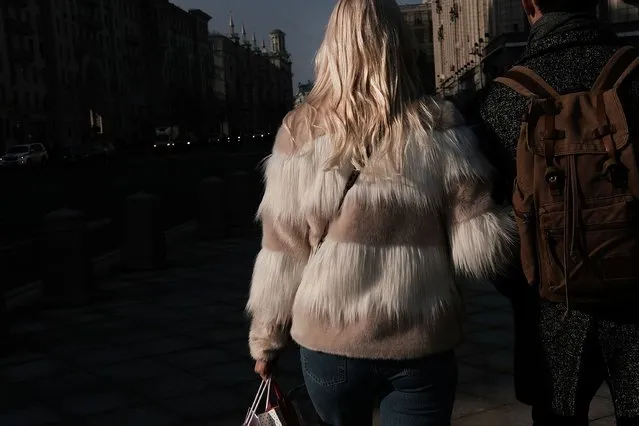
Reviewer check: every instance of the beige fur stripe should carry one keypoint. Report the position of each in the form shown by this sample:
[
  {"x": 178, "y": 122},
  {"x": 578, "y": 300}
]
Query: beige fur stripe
[
  {"x": 285, "y": 237},
  {"x": 383, "y": 224},
  {"x": 440, "y": 333}
]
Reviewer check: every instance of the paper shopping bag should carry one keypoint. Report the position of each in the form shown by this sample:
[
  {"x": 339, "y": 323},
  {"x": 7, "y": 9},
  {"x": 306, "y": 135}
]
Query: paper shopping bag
[
  {"x": 272, "y": 417},
  {"x": 277, "y": 414}
]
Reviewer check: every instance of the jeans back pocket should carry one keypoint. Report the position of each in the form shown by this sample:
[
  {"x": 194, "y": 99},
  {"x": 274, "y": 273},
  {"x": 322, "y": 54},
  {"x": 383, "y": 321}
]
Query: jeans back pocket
[{"x": 324, "y": 369}]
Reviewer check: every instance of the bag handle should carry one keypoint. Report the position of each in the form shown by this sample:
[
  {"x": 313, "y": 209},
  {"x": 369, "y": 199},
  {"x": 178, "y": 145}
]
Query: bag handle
[
  {"x": 528, "y": 83},
  {"x": 622, "y": 63},
  {"x": 279, "y": 395},
  {"x": 352, "y": 179},
  {"x": 256, "y": 401}
]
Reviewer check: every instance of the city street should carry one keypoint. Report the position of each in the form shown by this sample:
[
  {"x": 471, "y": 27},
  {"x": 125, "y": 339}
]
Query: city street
[
  {"x": 169, "y": 348},
  {"x": 99, "y": 191}
]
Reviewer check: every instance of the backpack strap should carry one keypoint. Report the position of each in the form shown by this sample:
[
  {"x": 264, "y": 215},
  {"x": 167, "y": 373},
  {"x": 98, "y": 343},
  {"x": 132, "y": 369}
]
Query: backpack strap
[
  {"x": 527, "y": 83},
  {"x": 622, "y": 63}
]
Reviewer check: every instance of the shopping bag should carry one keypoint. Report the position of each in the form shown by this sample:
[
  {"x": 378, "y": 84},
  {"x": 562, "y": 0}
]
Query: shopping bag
[{"x": 278, "y": 414}]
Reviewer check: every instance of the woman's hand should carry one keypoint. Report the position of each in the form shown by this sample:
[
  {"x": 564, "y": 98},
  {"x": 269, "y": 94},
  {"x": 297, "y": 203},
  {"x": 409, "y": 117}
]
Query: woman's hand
[{"x": 264, "y": 369}]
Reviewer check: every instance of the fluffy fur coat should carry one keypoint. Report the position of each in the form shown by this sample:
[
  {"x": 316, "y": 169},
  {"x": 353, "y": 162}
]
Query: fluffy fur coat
[{"x": 383, "y": 284}]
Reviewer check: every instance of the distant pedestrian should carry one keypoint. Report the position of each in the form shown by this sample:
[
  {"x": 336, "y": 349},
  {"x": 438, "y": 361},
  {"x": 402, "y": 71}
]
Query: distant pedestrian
[
  {"x": 377, "y": 201},
  {"x": 565, "y": 125}
]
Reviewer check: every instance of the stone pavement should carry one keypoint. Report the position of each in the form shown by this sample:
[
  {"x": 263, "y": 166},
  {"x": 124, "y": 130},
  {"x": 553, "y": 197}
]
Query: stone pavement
[{"x": 168, "y": 348}]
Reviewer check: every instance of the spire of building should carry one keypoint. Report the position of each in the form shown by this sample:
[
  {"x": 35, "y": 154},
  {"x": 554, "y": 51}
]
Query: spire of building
[
  {"x": 244, "y": 40},
  {"x": 264, "y": 47},
  {"x": 254, "y": 40},
  {"x": 231, "y": 24}
]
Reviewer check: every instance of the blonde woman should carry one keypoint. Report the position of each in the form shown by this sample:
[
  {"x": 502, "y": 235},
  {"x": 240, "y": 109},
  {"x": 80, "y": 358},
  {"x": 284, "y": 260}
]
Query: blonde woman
[{"x": 376, "y": 202}]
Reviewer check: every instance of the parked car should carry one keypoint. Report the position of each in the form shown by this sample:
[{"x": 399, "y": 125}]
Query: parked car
[
  {"x": 89, "y": 152},
  {"x": 27, "y": 155}
]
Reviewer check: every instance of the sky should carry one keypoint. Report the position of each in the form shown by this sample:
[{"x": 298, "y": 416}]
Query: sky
[{"x": 303, "y": 21}]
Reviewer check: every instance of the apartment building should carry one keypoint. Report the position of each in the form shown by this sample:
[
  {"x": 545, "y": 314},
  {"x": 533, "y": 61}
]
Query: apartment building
[
  {"x": 419, "y": 19},
  {"x": 478, "y": 40},
  {"x": 124, "y": 66},
  {"x": 254, "y": 84},
  {"x": 462, "y": 31},
  {"x": 23, "y": 90}
]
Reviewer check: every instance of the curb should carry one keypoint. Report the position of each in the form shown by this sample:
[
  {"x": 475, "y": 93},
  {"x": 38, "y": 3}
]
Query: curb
[{"x": 102, "y": 266}]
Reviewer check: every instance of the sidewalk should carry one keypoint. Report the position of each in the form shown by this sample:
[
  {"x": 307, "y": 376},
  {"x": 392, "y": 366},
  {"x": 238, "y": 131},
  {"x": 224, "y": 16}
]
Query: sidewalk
[{"x": 168, "y": 348}]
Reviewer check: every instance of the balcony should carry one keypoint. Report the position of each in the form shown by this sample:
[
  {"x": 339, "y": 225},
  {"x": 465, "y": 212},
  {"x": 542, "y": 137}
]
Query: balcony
[{"x": 17, "y": 27}]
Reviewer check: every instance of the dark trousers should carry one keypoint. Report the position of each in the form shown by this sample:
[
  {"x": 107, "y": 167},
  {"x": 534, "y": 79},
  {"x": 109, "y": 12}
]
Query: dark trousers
[
  {"x": 581, "y": 351},
  {"x": 418, "y": 392}
]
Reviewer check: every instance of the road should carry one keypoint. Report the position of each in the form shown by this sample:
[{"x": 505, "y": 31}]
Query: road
[{"x": 100, "y": 192}]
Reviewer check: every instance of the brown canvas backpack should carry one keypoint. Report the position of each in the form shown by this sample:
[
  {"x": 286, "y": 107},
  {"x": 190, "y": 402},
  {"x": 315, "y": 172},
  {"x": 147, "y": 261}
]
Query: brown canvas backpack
[{"x": 576, "y": 191}]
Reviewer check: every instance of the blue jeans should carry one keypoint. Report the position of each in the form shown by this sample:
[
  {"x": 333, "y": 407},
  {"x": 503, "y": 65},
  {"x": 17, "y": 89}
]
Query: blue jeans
[{"x": 419, "y": 392}]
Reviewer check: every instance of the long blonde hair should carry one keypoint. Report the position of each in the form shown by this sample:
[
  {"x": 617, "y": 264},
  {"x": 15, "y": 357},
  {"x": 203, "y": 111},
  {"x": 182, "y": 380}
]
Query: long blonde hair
[{"x": 367, "y": 94}]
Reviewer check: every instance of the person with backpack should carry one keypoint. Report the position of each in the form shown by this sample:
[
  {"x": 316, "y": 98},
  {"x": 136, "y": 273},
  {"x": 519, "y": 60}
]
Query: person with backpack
[{"x": 565, "y": 119}]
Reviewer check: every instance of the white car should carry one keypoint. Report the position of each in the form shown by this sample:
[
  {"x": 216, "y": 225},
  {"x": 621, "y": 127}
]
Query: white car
[{"x": 28, "y": 155}]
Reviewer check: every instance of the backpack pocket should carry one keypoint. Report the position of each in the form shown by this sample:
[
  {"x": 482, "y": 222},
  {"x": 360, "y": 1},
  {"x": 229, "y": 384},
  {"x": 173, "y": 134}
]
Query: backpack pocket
[
  {"x": 599, "y": 253},
  {"x": 525, "y": 215}
]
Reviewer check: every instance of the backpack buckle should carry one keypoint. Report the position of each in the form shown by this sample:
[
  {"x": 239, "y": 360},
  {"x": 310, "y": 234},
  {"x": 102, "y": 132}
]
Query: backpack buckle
[{"x": 553, "y": 177}]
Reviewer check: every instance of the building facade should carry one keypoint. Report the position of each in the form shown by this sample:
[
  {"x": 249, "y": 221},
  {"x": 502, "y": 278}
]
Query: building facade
[
  {"x": 124, "y": 67},
  {"x": 462, "y": 31},
  {"x": 419, "y": 19},
  {"x": 254, "y": 84},
  {"x": 478, "y": 40},
  {"x": 23, "y": 88}
]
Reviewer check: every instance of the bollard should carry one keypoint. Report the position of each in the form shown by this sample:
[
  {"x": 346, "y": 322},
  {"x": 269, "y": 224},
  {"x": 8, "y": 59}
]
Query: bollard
[
  {"x": 67, "y": 268},
  {"x": 144, "y": 240},
  {"x": 212, "y": 208}
]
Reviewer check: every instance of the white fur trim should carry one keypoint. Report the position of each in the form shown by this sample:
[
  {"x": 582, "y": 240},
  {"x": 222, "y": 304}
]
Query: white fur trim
[
  {"x": 288, "y": 178},
  {"x": 449, "y": 115},
  {"x": 276, "y": 277},
  {"x": 347, "y": 282},
  {"x": 461, "y": 159},
  {"x": 483, "y": 245}
]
